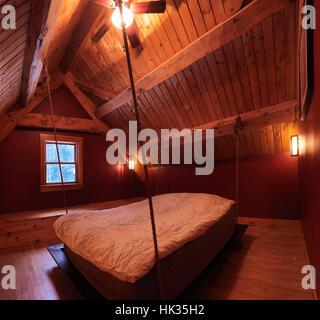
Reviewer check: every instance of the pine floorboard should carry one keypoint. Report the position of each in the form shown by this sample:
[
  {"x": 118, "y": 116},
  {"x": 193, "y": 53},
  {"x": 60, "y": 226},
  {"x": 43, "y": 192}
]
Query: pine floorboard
[{"x": 268, "y": 266}]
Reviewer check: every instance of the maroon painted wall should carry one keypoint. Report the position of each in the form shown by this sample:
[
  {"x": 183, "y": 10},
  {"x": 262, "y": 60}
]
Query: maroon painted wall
[
  {"x": 268, "y": 184},
  {"x": 310, "y": 164},
  {"x": 64, "y": 104},
  {"x": 20, "y": 167},
  {"x": 20, "y": 175}
]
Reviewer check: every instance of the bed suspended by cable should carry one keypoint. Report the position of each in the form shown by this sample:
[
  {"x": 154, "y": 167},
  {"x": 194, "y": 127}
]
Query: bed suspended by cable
[{"x": 133, "y": 266}]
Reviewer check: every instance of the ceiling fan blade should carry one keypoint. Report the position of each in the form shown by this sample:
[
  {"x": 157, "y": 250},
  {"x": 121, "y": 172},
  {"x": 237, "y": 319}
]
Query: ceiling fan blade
[
  {"x": 105, "y": 3},
  {"x": 133, "y": 36},
  {"x": 102, "y": 31},
  {"x": 149, "y": 7}
]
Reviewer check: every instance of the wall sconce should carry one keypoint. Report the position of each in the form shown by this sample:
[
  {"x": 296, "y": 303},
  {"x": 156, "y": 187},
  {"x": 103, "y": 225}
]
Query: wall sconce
[
  {"x": 294, "y": 146},
  {"x": 131, "y": 164}
]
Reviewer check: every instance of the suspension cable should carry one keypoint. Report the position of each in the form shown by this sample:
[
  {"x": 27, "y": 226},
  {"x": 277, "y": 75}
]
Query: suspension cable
[
  {"x": 158, "y": 180},
  {"x": 239, "y": 125},
  {"x": 55, "y": 137},
  {"x": 147, "y": 182},
  {"x": 298, "y": 113},
  {"x": 237, "y": 177}
]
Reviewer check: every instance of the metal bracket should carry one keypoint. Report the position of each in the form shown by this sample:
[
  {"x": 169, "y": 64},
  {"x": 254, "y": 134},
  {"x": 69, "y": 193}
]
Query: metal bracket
[{"x": 238, "y": 126}]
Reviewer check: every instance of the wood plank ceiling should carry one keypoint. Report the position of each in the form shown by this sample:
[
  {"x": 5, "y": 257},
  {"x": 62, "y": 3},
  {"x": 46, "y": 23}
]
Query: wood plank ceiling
[
  {"x": 13, "y": 45},
  {"x": 12, "y": 49},
  {"x": 253, "y": 71},
  {"x": 70, "y": 14}
]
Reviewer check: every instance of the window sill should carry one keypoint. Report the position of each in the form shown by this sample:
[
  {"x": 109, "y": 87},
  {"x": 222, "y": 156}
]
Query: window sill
[{"x": 58, "y": 187}]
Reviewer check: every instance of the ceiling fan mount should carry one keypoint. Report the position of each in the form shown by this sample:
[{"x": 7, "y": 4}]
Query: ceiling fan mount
[{"x": 146, "y": 7}]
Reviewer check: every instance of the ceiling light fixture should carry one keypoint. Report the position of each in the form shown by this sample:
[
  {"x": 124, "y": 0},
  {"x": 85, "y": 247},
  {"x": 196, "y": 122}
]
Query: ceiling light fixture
[{"x": 127, "y": 16}]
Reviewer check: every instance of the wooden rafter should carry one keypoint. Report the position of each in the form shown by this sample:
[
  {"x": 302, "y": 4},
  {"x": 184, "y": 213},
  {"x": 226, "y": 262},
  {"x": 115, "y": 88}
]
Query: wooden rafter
[
  {"x": 282, "y": 112},
  {"x": 43, "y": 121},
  {"x": 86, "y": 103},
  {"x": 44, "y": 14},
  {"x": 103, "y": 94},
  {"x": 92, "y": 15},
  {"x": 277, "y": 116},
  {"x": 223, "y": 33},
  {"x": 299, "y": 5}
]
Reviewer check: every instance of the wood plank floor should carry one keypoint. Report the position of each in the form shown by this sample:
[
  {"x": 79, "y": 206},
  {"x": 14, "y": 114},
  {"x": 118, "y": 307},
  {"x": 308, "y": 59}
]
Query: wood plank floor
[{"x": 267, "y": 267}]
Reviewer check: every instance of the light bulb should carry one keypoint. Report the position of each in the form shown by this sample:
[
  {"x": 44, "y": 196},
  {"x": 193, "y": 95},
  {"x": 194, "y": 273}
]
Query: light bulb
[
  {"x": 131, "y": 164},
  {"x": 294, "y": 146},
  {"x": 127, "y": 17}
]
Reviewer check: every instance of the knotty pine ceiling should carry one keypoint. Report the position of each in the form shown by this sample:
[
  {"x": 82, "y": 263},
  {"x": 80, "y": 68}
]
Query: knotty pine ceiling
[
  {"x": 253, "y": 71},
  {"x": 12, "y": 49}
]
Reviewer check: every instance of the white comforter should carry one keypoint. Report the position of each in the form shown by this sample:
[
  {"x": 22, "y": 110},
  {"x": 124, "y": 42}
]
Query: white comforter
[{"x": 119, "y": 240}]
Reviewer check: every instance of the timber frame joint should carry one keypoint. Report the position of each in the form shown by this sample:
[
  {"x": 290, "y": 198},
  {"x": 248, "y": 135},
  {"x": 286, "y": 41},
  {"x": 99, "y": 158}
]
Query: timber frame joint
[{"x": 239, "y": 125}]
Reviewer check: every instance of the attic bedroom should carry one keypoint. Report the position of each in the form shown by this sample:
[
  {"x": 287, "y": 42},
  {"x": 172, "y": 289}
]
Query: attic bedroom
[{"x": 159, "y": 150}]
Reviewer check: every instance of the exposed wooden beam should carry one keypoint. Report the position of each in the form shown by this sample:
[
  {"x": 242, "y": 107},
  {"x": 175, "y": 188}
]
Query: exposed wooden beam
[
  {"x": 86, "y": 103},
  {"x": 43, "y": 121},
  {"x": 282, "y": 112},
  {"x": 9, "y": 121},
  {"x": 238, "y": 24},
  {"x": 103, "y": 94},
  {"x": 43, "y": 18},
  {"x": 299, "y": 4},
  {"x": 93, "y": 14}
]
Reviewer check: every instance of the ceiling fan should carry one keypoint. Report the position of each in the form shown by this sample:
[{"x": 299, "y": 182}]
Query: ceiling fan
[{"x": 129, "y": 10}]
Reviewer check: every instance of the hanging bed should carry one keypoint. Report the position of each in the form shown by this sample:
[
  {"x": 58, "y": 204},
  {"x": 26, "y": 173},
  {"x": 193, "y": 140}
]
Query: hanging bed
[{"x": 114, "y": 250}]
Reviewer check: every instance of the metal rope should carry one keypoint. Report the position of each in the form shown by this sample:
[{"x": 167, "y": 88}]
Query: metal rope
[
  {"x": 158, "y": 180},
  {"x": 147, "y": 183},
  {"x": 239, "y": 125},
  {"x": 237, "y": 178},
  {"x": 55, "y": 137},
  {"x": 298, "y": 113},
  {"x": 299, "y": 79}
]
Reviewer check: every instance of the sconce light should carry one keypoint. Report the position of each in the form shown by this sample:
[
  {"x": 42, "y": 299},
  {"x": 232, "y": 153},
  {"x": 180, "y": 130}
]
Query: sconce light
[
  {"x": 131, "y": 164},
  {"x": 294, "y": 146}
]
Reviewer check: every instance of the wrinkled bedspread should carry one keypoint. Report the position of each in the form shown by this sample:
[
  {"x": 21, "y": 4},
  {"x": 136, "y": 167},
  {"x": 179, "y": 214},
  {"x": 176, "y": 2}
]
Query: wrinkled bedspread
[{"x": 119, "y": 240}]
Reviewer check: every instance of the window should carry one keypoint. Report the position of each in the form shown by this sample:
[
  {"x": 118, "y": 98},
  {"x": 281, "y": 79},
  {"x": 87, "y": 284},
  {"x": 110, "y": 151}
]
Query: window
[{"x": 70, "y": 152}]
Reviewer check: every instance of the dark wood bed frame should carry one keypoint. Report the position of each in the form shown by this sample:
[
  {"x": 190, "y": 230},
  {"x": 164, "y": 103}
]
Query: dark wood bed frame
[{"x": 178, "y": 269}]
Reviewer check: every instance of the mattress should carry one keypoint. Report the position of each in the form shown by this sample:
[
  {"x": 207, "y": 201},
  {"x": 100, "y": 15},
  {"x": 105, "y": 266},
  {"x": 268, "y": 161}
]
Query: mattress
[{"x": 119, "y": 241}]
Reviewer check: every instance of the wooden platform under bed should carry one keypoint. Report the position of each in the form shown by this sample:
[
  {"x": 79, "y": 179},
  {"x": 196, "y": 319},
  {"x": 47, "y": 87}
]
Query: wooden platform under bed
[
  {"x": 36, "y": 227},
  {"x": 268, "y": 266}
]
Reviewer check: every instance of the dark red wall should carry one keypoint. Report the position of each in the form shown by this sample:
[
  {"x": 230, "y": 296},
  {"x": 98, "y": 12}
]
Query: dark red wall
[
  {"x": 268, "y": 184},
  {"x": 20, "y": 175},
  {"x": 310, "y": 164},
  {"x": 20, "y": 167},
  {"x": 64, "y": 104}
]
